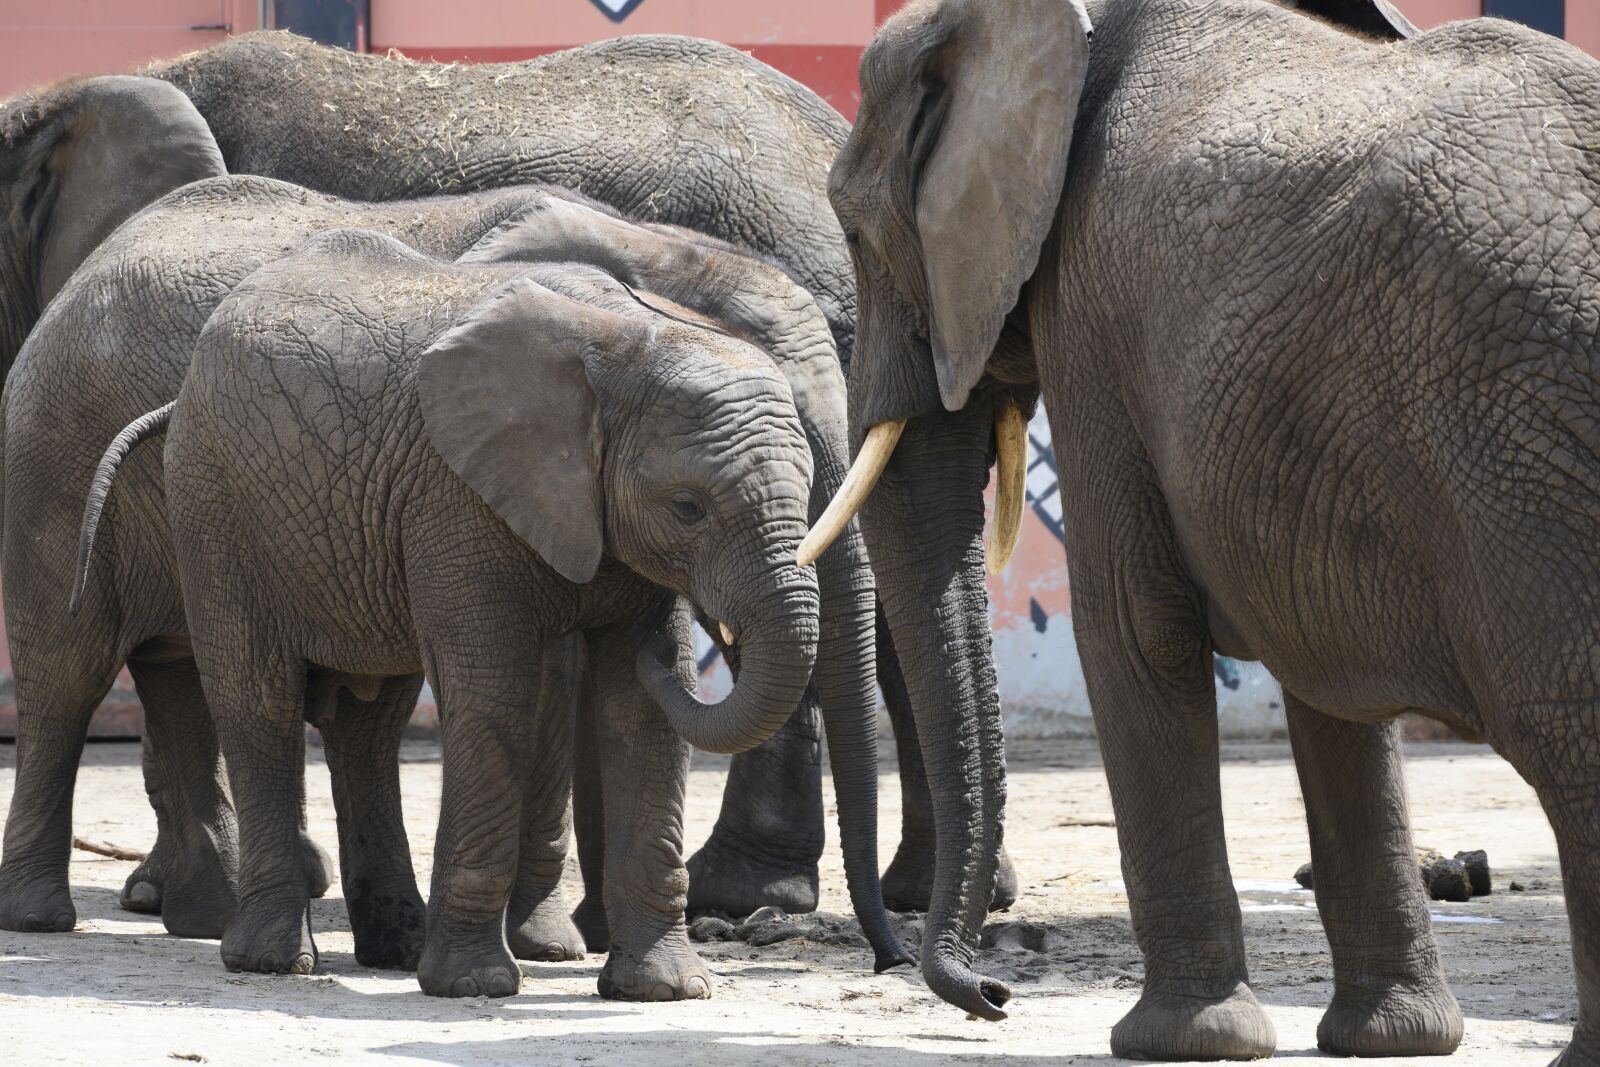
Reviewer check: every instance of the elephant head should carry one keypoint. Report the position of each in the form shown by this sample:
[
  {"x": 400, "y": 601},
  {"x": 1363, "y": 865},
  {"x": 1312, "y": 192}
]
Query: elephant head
[
  {"x": 758, "y": 303},
  {"x": 76, "y": 161},
  {"x": 595, "y": 426}
]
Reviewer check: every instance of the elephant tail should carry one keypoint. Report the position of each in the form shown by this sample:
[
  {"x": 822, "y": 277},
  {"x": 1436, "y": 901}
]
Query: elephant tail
[{"x": 145, "y": 426}]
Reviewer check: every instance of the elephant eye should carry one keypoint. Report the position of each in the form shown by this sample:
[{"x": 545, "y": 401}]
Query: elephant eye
[{"x": 689, "y": 510}]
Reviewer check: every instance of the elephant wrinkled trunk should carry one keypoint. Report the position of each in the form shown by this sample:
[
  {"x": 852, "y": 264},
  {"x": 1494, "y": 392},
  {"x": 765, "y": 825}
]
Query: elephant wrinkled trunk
[
  {"x": 931, "y": 582},
  {"x": 846, "y": 686},
  {"x": 777, "y": 652}
]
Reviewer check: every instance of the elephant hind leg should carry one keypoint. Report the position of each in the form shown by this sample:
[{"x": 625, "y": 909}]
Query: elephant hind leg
[
  {"x": 588, "y": 817},
  {"x": 362, "y": 743},
  {"x": 192, "y": 874},
  {"x": 55, "y": 701},
  {"x": 1390, "y": 996},
  {"x": 1552, "y": 746},
  {"x": 538, "y": 925}
]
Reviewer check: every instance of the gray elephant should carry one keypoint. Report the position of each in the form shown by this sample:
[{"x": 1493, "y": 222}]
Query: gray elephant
[
  {"x": 115, "y": 324},
  {"x": 74, "y": 164},
  {"x": 666, "y": 129},
  {"x": 1313, "y": 316},
  {"x": 380, "y": 461}
]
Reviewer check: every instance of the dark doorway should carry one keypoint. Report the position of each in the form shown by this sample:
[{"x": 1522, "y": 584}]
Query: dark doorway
[
  {"x": 1547, "y": 15},
  {"x": 342, "y": 23}
]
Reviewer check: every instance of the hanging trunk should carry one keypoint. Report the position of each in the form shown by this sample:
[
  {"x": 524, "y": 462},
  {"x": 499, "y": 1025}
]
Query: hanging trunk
[
  {"x": 924, "y": 529},
  {"x": 845, "y": 678}
]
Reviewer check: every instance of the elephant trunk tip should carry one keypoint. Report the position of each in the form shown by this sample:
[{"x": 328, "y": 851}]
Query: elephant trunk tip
[
  {"x": 887, "y": 957},
  {"x": 979, "y": 996}
]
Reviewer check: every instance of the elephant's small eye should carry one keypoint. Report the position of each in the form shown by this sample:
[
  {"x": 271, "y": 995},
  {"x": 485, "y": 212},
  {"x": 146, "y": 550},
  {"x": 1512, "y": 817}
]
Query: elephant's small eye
[
  {"x": 852, "y": 238},
  {"x": 689, "y": 510}
]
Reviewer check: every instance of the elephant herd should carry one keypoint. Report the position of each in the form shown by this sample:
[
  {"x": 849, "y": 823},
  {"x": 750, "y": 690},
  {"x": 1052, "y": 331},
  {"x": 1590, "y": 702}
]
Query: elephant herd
[{"x": 498, "y": 376}]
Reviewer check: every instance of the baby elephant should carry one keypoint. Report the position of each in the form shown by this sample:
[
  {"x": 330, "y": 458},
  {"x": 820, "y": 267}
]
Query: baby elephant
[{"x": 382, "y": 463}]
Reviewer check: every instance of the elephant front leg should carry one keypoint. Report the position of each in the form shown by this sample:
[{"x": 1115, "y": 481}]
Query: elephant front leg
[
  {"x": 908, "y": 882},
  {"x": 487, "y": 703},
  {"x": 1146, "y": 657},
  {"x": 538, "y": 925},
  {"x": 644, "y": 776},
  {"x": 768, "y": 838},
  {"x": 191, "y": 876},
  {"x": 1390, "y": 996},
  {"x": 362, "y": 744}
]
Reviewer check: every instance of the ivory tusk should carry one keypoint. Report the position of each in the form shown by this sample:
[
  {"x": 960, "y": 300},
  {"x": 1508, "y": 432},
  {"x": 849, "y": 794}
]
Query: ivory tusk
[
  {"x": 1010, "y": 492},
  {"x": 864, "y": 473},
  {"x": 727, "y": 634}
]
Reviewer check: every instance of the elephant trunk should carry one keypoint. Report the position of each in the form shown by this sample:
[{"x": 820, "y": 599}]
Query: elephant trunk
[
  {"x": 931, "y": 583},
  {"x": 845, "y": 682},
  {"x": 778, "y": 648}
]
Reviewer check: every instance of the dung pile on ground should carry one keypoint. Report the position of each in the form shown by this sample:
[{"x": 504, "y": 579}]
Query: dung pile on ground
[{"x": 1454, "y": 878}]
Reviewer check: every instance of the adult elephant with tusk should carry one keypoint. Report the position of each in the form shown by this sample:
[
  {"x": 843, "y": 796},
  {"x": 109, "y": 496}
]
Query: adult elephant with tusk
[{"x": 1310, "y": 298}]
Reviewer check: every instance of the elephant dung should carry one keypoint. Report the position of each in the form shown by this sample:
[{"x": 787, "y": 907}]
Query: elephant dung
[
  {"x": 1446, "y": 879},
  {"x": 711, "y": 928},
  {"x": 1303, "y": 876},
  {"x": 1477, "y": 865}
]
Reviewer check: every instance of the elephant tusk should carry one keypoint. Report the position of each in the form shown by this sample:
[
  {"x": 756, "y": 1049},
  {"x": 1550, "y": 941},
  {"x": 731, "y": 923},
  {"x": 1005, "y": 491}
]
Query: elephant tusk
[
  {"x": 1010, "y": 493},
  {"x": 727, "y": 634},
  {"x": 864, "y": 473}
]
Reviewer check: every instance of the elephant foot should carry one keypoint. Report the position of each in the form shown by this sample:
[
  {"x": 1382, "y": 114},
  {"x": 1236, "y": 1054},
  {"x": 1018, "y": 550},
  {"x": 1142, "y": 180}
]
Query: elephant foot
[
  {"x": 270, "y": 938},
  {"x": 908, "y": 882},
  {"x": 668, "y": 970},
  {"x": 547, "y": 935},
  {"x": 480, "y": 971},
  {"x": 1582, "y": 1052},
  {"x": 590, "y": 919},
  {"x": 737, "y": 881},
  {"x": 36, "y": 905},
  {"x": 198, "y": 903},
  {"x": 1170, "y": 1027},
  {"x": 319, "y": 866},
  {"x": 1399, "y": 1021},
  {"x": 142, "y": 891},
  {"x": 389, "y": 925}
]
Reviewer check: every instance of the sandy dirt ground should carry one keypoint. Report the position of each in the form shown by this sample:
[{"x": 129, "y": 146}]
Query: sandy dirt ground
[{"x": 119, "y": 990}]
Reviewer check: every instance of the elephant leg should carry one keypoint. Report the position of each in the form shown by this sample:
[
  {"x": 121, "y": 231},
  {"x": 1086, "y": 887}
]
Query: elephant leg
[
  {"x": 1146, "y": 652},
  {"x": 1390, "y": 996},
  {"x": 908, "y": 882},
  {"x": 1552, "y": 746},
  {"x": 54, "y": 705},
  {"x": 644, "y": 777},
  {"x": 588, "y": 817},
  {"x": 192, "y": 874},
  {"x": 361, "y": 741},
  {"x": 258, "y": 699},
  {"x": 768, "y": 837},
  {"x": 487, "y": 704},
  {"x": 538, "y": 926}
]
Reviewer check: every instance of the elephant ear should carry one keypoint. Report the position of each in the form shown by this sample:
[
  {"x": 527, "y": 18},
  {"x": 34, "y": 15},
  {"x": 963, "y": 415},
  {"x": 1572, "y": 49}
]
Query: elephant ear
[
  {"x": 108, "y": 147},
  {"x": 1000, "y": 100},
  {"x": 1376, "y": 18},
  {"x": 506, "y": 401}
]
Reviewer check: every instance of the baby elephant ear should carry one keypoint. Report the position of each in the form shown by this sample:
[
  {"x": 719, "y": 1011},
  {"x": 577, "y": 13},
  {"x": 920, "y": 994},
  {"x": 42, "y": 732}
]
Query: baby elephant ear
[{"x": 506, "y": 402}]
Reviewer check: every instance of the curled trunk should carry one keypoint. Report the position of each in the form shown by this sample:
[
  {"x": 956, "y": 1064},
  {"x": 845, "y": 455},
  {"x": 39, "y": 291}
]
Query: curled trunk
[{"x": 778, "y": 650}]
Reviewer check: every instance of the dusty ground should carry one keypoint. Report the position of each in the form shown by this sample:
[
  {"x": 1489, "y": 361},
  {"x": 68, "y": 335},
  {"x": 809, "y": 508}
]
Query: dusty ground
[{"x": 119, "y": 990}]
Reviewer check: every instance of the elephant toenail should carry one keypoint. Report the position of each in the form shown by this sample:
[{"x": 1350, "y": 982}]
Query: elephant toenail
[
  {"x": 697, "y": 988},
  {"x": 303, "y": 964},
  {"x": 144, "y": 895},
  {"x": 63, "y": 923},
  {"x": 554, "y": 951},
  {"x": 501, "y": 985},
  {"x": 30, "y": 921},
  {"x": 464, "y": 987},
  {"x": 661, "y": 992},
  {"x": 268, "y": 962}
]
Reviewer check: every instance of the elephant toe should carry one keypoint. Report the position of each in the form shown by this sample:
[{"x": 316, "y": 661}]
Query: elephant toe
[{"x": 666, "y": 971}]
